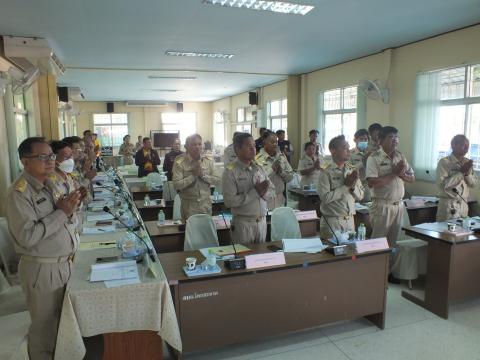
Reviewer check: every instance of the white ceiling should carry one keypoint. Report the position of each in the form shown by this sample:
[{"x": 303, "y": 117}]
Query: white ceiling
[{"x": 110, "y": 47}]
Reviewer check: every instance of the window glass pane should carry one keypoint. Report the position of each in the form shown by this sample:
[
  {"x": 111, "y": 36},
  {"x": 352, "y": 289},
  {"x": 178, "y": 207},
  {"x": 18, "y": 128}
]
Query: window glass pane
[
  {"x": 119, "y": 118},
  {"x": 101, "y": 119},
  {"x": 331, "y": 100},
  {"x": 275, "y": 108},
  {"x": 240, "y": 115},
  {"x": 276, "y": 124},
  {"x": 249, "y": 116},
  {"x": 21, "y": 127},
  {"x": 284, "y": 107},
  {"x": 350, "y": 97},
  {"x": 475, "y": 81},
  {"x": 333, "y": 127},
  {"x": 104, "y": 134},
  {"x": 349, "y": 127},
  {"x": 19, "y": 101},
  {"x": 284, "y": 126},
  {"x": 185, "y": 123},
  {"x": 452, "y": 83},
  {"x": 473, "y": 135},
  {"x": 451, "y": 123},
  {"x": 244, "y": 128}
]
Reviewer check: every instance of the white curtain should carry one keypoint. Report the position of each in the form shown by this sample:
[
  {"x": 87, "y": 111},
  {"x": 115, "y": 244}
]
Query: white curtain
[{"x": 426, "y": 125}]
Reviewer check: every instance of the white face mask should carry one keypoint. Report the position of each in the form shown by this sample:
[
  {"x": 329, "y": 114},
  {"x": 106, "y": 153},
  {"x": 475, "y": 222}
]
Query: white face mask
[{"x": 67, "y": 166}]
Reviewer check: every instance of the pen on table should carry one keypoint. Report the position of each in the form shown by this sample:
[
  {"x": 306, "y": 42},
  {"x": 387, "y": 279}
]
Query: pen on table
[{"x": 107, "y": 243}]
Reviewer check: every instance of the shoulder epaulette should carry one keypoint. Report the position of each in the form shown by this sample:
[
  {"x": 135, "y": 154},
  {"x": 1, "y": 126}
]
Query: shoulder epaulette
[
  {"x": 180, "y": 159},
  {"x": 325, "y": 165},
  {"x": 231, "y": 166},
  {"x": 21, "y": 185},
  {"x": 258, "y": 156},
  {"x": 53, "y": 177},
  {"x": 349, "y": 165}
]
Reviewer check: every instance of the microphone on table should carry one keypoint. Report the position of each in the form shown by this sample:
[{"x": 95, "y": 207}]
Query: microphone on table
[
  {"x": 460, "y": 196},
  {"x": 133, "y": 231},
  {"x": 236, "y": 263},
  {"x": 336, "y": 249}
]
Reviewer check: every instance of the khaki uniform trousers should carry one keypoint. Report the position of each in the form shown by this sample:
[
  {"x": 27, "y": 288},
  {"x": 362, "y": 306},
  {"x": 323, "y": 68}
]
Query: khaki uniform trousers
[
  {"x": 386, "y": 218},
  {"x": 191, "y": 207},
  {"x": 277, "y": 201},
  {"x": 44, "y": 287},
  {"x": 445, "y": 206},
  {"x": 248, "y": 230},
  {"x": 338, "y": 224}
]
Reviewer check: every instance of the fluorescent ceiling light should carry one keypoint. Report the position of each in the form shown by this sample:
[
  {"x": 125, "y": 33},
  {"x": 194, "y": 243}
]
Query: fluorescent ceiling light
[
  {"x": 283, "y": 7},
  {"x": 154, "y": 77},
  {"x": 198, "y": 54}
]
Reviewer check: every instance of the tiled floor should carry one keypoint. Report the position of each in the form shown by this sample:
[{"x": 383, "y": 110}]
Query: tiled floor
[{"x": 410, "y": 333}]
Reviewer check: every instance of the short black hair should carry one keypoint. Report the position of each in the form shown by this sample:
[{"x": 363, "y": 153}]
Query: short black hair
[
  {"x": 239, "y": 140},
  {"x": 458, "y": 138},
  {"x": 307, "y": 144},
  {"x": 236, "y": 133},
  {"x": 145, "y": 139},
  {"x": 70, "y": 140},
  {"x": 335, "y": 142},
  {"x": 278, "y": 132},
  {"x": 360, "y": 132},
  {"x": 374, "y": 127},
  {"x": 267, "y": 134},
  {"x": 125, "y": 137},
  {"x": 262, "y": 129},
  {"x": 387, "y": 130},
  {"x": 58, "y": 145},
  {"x": 25, "y": 148},
  {"x": 86, "y": 131},
  {"x": 313, "y": 131}
]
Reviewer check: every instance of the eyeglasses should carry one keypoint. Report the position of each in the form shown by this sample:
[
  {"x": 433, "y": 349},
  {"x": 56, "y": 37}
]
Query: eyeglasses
[{"x": 43, "y": 157}]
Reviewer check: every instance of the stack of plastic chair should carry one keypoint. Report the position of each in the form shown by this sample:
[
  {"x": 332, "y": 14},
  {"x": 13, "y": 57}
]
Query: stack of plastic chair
[
  {"x": 154, "y": 179},
  {"x": 200, "y": 232},
  {"x": 411, "y": 255},
  {"x": 284, "y": 224},
  {"x": 292, "y": 202},
  {"x": 177, "y": 204}
]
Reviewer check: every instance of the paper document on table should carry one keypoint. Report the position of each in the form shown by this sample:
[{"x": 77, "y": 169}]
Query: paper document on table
[
  {"x": 94, "y": 245},
  {"x": 99, "y": 217},
  {"x": 433, "y": 199},
  {"x": 359, "y": 206},
  {"x": 442, "y": 227},
  {"x": 311, "y": 245},
  {"x": 119, "y": 270},
  {"x": 98, "y": 230},
  {"x": 100, "y": 177},
  {"x": 116, "y": 283}
]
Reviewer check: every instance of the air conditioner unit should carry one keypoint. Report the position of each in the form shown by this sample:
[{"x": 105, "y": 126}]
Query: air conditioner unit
[
  {"x": 146, "y": 103},
  {"x": 75, "y": 93},
  {"x": 27, "y": 53}
]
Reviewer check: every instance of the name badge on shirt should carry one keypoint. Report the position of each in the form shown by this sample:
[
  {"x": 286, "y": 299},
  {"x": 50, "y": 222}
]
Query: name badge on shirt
[
  {"x": 39, "y": 201},
  {"x": 384, "y": 164}
]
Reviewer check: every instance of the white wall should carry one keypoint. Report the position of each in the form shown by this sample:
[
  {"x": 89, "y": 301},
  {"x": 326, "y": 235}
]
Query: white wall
[{"x": 5, "y": 176}]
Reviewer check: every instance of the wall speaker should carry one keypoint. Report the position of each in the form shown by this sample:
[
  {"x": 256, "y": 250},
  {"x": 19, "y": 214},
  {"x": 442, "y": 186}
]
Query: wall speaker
[
  {"x": 62, "y": 93},
  {"x": 110, "y": 107},
  {"x": 179, "y": 107},
  {"x": 253, "y": 98}
]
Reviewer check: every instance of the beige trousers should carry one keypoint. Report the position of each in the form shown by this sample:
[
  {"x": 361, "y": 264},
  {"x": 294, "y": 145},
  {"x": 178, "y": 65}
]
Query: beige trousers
[
  {"x": 192, "y": 207},
  {"x": 447, "y": 206},
  {"x": 44, "y": 288},
  {"x": 386, "y": 219},
  {"x": 338, "y": 224},
  {"x": 277, "y": 201},
  {"x": 248, "y": 231}
]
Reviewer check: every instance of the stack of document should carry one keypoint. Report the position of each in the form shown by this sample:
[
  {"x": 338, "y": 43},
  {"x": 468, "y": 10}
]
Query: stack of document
[
  {"x": 312, "y": 245},
  {"x": 97, "y": 230},
  {"x": 432, "y": 199},
  {"x": 99, "y": 216},
  {"x": 115, "y": 273}
]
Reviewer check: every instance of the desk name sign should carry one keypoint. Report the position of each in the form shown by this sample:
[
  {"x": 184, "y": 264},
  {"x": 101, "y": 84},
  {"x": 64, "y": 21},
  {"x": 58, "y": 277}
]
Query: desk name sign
[
  {"x": 371, "y": 245},
  {"x": 264, "y": 260}
]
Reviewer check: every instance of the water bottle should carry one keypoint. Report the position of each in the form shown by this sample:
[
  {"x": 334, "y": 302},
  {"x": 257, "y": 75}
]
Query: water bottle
[
  {"x": 161, "y": 218},
  {"x": 362, "y": 232},
  {"x": 146, "y": 200},
  {"x": 215, "y": 195}
]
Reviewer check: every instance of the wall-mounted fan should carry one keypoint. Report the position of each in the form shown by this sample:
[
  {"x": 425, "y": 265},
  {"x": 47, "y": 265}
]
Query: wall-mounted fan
[
  {"x": 20, "y": 85},
  {"x": 373, "y": 90}
]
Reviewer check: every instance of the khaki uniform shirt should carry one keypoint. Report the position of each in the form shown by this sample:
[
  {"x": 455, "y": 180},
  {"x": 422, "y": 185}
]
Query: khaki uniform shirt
[
  {"x": 192, "y": 187},
  {"x": 372, "y": 147},
  {"x": 359, "y": 160},
  {"x": 306, "y": 163},
  {"x": 239, "y": 191},
  {"x": 380, "y": 164},
  {"x": 63, "y": 187},
  {"x": 229, "y": 155},
  {"x": 336, "y": 199},
  {"x": 37, "y": 226},
  {"x": 449, "y": 177},
  {"x": 278, "y": 179}
]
